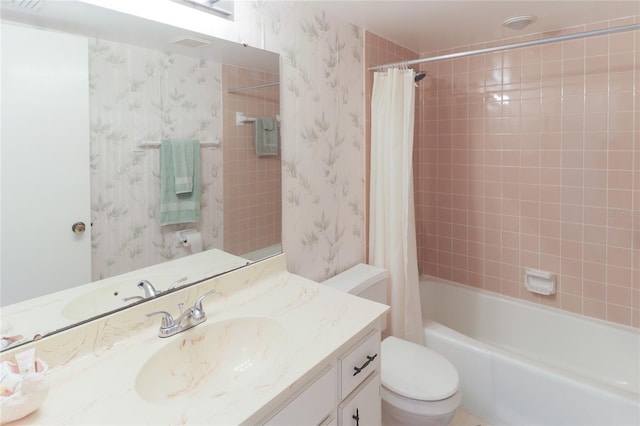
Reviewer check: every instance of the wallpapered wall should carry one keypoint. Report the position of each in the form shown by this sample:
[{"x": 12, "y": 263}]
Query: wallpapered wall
[
  {"x": 322, "y": 105},
  {"x": 138, "y": 94}
]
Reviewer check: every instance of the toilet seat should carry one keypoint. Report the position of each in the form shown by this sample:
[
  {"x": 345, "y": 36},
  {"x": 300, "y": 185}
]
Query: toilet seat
[
  {"x": 422, "y": 408},
  {"x": 416, "y": 372}
]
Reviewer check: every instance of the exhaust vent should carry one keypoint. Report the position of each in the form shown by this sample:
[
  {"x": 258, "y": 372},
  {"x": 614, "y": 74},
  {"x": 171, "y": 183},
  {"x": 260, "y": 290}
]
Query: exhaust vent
[
  {"x": 28, "y": 4},
  {"x": 192, "y": 42}
]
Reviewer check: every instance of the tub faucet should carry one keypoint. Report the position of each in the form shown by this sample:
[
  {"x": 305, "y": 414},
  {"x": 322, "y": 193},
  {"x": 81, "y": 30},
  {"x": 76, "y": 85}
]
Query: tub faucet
[{"x": 186, "y": 320}]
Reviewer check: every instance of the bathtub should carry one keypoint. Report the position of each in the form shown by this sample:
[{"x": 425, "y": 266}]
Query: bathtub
[{"x": 525, "y": 364}]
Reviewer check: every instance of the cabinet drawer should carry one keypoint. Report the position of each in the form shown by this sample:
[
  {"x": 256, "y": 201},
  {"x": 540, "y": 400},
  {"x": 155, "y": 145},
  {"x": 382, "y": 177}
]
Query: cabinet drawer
[
  {"x": 313, "y": 405},
  {"x": 356, "y": 365},
  {"x": 363, "y": 407}
]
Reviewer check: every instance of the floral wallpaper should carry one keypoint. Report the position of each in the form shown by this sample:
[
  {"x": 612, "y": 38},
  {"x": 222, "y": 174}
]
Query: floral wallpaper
[
  {"x": 141, "y": 95},
  {"x": 322, "y": 108}
]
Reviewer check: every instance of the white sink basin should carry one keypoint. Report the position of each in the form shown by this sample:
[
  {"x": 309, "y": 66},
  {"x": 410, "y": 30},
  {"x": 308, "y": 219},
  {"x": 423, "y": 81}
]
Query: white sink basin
[{"x": 214, "y": 357}]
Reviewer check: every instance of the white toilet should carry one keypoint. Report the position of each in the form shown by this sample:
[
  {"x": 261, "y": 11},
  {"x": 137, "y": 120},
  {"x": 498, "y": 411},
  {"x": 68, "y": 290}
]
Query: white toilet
[{"x": 419, "y": 386}]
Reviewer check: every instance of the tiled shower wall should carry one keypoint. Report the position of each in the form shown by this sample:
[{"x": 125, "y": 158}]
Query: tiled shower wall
[
  {"x": 252, "y": 184},
  {"x": 531, "y": 158}
]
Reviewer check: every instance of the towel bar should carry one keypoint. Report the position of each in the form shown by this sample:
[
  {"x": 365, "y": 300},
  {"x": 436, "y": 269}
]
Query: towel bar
[
  {"x": 241, "y": 119},
  {"x": 142, "y": 145}
]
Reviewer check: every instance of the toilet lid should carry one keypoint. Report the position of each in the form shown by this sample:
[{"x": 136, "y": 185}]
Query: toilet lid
[{"x": 416, "y": 372}]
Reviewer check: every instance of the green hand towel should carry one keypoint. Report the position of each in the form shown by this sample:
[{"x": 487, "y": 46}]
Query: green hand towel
[
  {"x": 179, "y": 181},
  {"x": 184, "y": 154}
]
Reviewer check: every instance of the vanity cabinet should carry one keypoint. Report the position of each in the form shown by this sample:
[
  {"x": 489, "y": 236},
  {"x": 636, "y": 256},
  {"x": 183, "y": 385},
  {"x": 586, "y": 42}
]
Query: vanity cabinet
[
  {"x": 345, "y": 393},
  {"x": 359, "y": 370},
  {"x": 363, "y": 406},
  {"x": 314, "y": 405}
]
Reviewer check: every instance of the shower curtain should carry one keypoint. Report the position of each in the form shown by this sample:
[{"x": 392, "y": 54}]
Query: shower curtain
[{"x": 392, "y": 230}]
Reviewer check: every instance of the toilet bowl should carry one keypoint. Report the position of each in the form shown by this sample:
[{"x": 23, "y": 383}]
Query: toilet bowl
[{"x": 419, "y": 386}]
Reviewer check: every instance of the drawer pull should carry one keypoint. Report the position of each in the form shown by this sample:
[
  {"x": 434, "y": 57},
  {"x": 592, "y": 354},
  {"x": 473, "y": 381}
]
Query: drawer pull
[
  {"x": 369, "y": 359},
  {"x": 356, "y": 416}
]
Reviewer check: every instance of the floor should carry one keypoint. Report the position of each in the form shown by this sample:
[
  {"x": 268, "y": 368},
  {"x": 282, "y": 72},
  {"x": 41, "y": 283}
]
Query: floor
[{"x": 462, "y": 418}]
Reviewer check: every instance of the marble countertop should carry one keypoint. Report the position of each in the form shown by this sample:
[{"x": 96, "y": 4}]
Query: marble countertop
[{"x": 94, "y": 367}]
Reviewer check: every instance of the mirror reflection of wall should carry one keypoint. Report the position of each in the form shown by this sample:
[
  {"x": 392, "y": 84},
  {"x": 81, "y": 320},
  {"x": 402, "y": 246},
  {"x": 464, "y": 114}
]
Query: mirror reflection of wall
[
  {"x": 138, "y": 96},
  {"x": 143, "y": 96},
  {"x": 252, "y": 181}
]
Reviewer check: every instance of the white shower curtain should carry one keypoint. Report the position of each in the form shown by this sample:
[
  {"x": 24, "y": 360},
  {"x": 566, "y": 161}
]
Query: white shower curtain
[{"x": 392, "y": 230}]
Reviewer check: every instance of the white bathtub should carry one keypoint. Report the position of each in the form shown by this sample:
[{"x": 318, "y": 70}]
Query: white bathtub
[{"x": 525, "y": 364}]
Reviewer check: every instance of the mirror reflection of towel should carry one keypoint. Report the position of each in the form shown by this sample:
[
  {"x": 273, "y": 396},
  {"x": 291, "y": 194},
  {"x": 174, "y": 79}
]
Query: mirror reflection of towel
[
  {"x": 266, "y": 136},
  {"x": 179, "y": 182}
]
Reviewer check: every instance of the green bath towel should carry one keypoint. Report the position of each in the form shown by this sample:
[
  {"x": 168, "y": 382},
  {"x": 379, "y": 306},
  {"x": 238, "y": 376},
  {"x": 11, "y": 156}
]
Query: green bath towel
[
  {"x": 179, "y": 181},
  {"x": 266, "y": 136}
]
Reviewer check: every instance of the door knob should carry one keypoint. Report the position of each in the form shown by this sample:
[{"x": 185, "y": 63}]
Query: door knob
[{"x": 78, "y": 228}]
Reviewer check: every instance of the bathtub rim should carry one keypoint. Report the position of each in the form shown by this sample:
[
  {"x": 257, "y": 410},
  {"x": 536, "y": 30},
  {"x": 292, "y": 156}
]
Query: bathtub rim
[{"x": 536, "y": 306}]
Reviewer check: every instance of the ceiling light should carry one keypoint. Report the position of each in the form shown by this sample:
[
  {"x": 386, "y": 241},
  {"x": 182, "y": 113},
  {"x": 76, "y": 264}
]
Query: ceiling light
[
  {"x": 219, "y": 7},
  {"x": 519, "y": 22}
]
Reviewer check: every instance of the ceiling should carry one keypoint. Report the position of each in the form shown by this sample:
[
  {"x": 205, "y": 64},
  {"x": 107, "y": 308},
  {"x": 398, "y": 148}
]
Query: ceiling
[
  {"x": 80, "y": 17},
  {"x": 423, "y": 26},
  {"x": 429, "y": 25}
]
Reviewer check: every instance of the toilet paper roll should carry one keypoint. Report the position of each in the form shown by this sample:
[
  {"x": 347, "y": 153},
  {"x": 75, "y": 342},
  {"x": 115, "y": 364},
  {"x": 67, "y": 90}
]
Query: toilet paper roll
[{"x": 194, "y": 241}]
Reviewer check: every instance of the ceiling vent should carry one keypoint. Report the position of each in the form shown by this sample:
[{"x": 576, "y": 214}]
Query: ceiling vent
[
  {"x": 519, "y": 22},
  {"x": 190, "y": 41},
  {"x": 28, "y": 4}
]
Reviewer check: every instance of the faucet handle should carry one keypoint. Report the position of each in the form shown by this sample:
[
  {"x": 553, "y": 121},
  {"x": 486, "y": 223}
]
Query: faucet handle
[
  {"x": 198, "y": 304},
  {"x": 181, "y": 280},
  {"x": 127, "y": 299},
  {"x": 167, "y": 319}
]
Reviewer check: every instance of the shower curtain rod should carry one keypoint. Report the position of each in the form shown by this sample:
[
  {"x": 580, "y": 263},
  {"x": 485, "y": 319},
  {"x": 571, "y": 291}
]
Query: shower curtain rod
[
  {"x": 257, "y": 86},
  {"x": 594, "y": 33}
]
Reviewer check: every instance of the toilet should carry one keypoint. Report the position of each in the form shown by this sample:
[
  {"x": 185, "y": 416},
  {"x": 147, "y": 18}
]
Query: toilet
[{"x": 419, "y": 386}]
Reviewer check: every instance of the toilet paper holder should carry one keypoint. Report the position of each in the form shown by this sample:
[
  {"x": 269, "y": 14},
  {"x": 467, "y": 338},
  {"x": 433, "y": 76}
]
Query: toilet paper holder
[{"x": 183, "y": 236}]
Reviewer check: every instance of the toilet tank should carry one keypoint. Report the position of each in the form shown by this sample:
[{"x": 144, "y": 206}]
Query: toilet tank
[{"x": 369, "y": 282}]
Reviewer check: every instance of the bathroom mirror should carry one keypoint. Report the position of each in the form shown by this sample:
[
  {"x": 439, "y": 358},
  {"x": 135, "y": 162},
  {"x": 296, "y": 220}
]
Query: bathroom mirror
[{"x": 146, "y": 82}]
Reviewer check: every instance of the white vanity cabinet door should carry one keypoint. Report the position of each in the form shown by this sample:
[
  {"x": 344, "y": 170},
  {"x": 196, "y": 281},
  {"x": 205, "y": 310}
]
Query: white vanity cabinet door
[
  {"x": 337, "y": 394},
  {"x": 357, "y": 364},
  {"x": 330, "y": 421},
  {"x": 314, "y": 405},
  {"x": 363, "y": 407}
]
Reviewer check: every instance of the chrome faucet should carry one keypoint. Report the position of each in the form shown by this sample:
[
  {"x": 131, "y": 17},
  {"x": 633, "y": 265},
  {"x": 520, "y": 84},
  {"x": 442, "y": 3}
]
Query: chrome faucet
[
  {"x": 186, "y": 320},
  {"x": 149, "y": 290}
]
